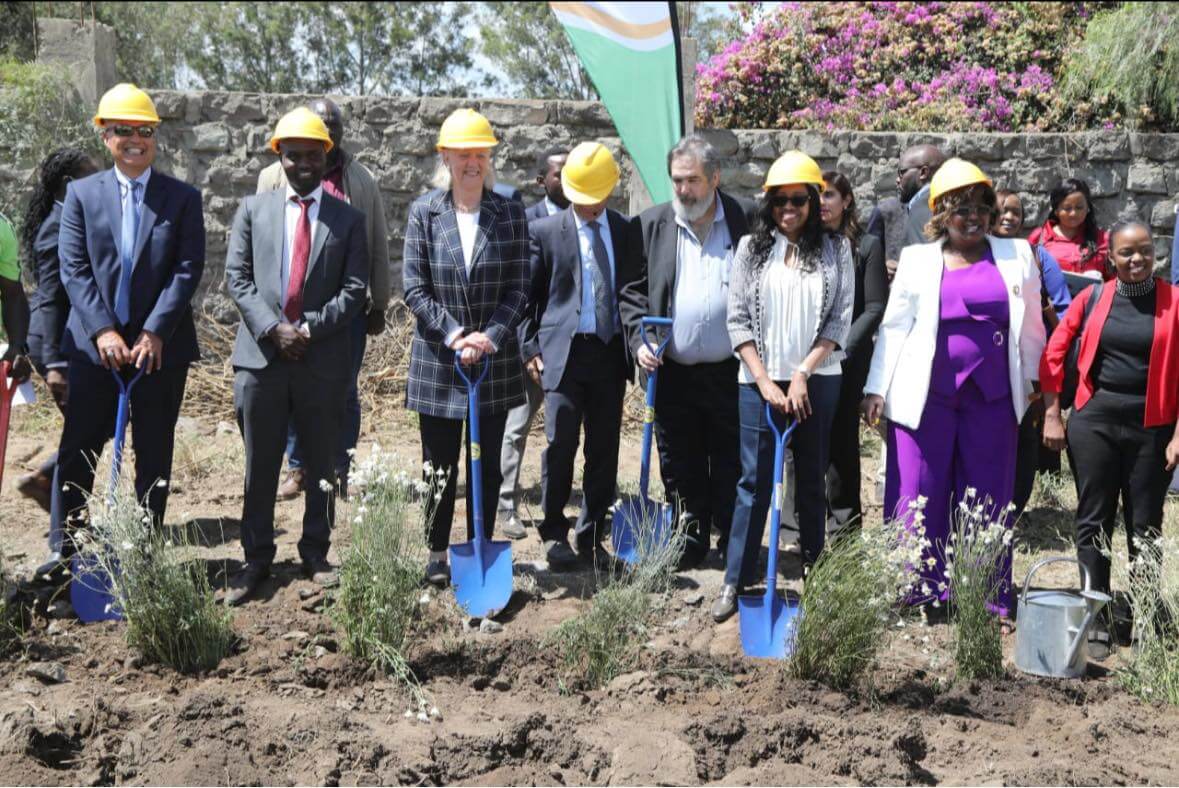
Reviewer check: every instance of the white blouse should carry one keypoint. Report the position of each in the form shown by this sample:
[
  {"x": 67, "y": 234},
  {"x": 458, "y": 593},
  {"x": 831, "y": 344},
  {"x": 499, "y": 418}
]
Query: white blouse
[
  {"x": 791, "y": 310},
  {"x": 468, "y": 226}
]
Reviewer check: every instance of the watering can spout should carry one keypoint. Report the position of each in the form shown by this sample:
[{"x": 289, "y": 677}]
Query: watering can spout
[{"x": 1094, "y": 600}]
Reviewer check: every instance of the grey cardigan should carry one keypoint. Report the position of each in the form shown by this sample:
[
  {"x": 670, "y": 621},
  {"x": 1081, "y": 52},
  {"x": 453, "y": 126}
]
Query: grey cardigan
[{"x": 839, "y": 283}]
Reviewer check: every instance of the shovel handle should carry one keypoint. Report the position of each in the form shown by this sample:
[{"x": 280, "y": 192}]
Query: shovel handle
[
  {"x": 1027, "y": 581},
  {"x": 780, "y": 435},
  {"x": 655, "y": 322},
  {"x": 7, "y": 392},
  {"x": 458, "y": 364}
]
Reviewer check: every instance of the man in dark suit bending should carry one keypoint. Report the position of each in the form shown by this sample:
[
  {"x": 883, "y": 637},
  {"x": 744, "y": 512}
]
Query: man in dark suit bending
[
  {"x": 297, "y": 268},
  {"x": 574, "y": 345}
]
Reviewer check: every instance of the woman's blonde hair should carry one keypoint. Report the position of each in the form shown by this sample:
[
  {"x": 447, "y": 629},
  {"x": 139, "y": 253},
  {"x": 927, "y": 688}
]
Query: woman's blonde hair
[{"x": 945, "y": 206}]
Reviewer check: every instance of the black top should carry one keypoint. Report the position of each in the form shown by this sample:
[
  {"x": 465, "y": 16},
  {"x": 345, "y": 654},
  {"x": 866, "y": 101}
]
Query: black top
[
  {"x": 871, "y": 295},
  {"x": 1124, "y": 349}
]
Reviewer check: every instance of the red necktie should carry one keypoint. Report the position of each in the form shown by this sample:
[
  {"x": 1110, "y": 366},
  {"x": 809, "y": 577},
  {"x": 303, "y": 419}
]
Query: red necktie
[{"x": 300, "y": 252}]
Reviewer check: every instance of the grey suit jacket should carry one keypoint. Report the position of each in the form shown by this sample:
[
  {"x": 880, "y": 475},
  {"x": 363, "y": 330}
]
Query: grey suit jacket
[{"x": 333, "y": 293}]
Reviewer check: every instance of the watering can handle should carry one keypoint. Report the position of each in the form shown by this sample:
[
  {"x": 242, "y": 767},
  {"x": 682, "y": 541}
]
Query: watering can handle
[
  {"x": 458, "y": 364},
  {"x": 1027, "y": 581},
  {"x": 655, "y": 322}
]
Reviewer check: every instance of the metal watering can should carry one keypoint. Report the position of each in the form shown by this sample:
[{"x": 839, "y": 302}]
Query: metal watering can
[{"x": 1052, "y": 636}]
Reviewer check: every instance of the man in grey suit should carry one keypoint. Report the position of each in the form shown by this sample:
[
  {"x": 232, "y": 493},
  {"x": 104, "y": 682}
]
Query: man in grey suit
[{"x": 297, "y": 268}]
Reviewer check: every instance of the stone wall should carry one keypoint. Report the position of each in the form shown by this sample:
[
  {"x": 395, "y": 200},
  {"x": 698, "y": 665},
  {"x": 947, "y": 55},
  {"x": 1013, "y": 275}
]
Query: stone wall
[{"x": 218, "y": 141}]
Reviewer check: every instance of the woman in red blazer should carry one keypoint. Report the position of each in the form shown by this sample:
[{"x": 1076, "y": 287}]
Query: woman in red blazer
[{"x": 1121, "y": 436}]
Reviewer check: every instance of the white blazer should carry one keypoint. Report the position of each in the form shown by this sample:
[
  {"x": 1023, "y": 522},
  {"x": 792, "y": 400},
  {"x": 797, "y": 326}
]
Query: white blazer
[{"x": 907, "y": 337}]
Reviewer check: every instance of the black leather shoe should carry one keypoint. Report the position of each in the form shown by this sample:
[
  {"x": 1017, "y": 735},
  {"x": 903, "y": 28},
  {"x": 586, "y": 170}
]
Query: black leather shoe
[
  {"x": 320, "y": 572},
  {"x": 244, "y": 584},
  {"x": 559, "y": 555},
  {"x": 597, "y": 556},
  {"x": 725, "y": 605},
  {"x": 438, "y": 573},
  {"x": 54, "y": 569}
]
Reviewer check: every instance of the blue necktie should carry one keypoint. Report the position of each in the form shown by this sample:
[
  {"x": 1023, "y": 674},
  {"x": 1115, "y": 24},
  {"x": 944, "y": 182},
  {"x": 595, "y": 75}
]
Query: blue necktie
[
  {"x": 603, "y": 291},
  {"x": 130, "y": 233}
]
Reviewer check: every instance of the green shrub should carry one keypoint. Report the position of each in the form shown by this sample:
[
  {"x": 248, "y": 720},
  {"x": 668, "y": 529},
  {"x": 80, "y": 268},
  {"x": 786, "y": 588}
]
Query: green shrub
[
  {"x": 978, "y": 539},
  {"x": 1152, "y": 586},
  {"x": 12, "y": 624},
  {"x": 160, "y": 584},
  {"x": 606, "y": 641},
  {"x": 850, "y": 600},
  {"x": 381, "y": 573}
]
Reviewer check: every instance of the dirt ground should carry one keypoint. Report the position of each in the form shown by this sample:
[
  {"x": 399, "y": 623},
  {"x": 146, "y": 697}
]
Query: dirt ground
[{"x": 288, "y": 708}]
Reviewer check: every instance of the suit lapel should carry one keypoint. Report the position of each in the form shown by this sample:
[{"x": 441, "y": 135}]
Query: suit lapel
[
  {"x": 154, "y": 199},
  {"x": 450, "y": 237},
  {"x": 113, "y": 206},
  {"x": 1011, "y": 269},
  {"x": 272, "y": 221},
  {"x": 327, "y": 211},
  {"x": 488, "y": 212},
  {"x": 571, "y": 248}
]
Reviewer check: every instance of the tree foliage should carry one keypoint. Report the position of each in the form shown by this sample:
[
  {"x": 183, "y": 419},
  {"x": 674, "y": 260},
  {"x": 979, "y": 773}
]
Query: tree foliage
[
  {"x": 1127, "y": 67},
  {"x": 528, "y": 45}
]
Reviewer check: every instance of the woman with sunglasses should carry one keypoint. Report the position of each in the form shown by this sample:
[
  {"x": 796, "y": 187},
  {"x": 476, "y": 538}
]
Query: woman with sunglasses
[
  {"x": 953, "y": 368},
  {"x": 790, "y": 305},
  {"x": 1122, "y": 437}
]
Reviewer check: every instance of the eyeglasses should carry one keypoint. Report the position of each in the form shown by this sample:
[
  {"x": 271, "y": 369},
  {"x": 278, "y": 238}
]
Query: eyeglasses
[
  {"x": 782, "y": 200},
  {"x": 966, "y": 211},
  {"x": 144, "y": 132}
]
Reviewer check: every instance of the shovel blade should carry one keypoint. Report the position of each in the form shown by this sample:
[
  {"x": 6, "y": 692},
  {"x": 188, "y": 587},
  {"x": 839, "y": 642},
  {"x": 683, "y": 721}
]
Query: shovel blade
[
  {"x": 767, "y": 630},
  {"x": 91, "y": 592},
  {"x": 640, "y": 528},
  {"x": 481, "y": 593}
]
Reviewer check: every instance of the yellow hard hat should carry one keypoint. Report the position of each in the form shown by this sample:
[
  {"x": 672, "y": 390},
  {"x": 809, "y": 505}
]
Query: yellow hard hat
[
  {"x": 466, "y": 128},
  {"x": 125, "y": 102},
  {"x": 589, "y": 175},
  {"x": 954, "y": 174},
  {"x": 793, "y": 167},
  {"x": 301, "y": 124}
]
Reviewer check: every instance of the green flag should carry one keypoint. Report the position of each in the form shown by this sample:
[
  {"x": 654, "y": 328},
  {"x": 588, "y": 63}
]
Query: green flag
[{"x": 631, "y": 52}]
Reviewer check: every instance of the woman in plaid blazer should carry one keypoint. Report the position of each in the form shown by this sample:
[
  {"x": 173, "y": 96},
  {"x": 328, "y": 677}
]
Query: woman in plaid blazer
[{"x": 466, "y": 281}]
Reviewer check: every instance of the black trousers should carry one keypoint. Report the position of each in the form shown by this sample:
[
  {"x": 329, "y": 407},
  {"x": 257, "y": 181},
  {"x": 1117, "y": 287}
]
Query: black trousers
[
  {"x": 90, "y": 423},
  {"x": 266, "y": 401},
  {"x": 1113, "y": 455},
  {"x": 1028, "y": 455},
  {"x": 698, "y": 430},
  {"x": 843, "y": 472},
  {"x": 590, "y": 393},
  {"x": 442, "y": 440}
]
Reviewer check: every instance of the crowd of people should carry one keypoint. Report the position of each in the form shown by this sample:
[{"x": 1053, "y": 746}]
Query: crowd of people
[{"x": 935, "y": 322}]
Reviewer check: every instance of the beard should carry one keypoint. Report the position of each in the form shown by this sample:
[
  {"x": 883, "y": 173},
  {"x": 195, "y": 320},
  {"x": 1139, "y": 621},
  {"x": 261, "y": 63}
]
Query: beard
[{"x": 692, "y": 211}]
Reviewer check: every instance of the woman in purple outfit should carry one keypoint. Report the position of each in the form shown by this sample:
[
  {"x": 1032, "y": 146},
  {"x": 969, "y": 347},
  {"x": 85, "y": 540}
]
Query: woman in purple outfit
[{"x": 954, "y": 367}]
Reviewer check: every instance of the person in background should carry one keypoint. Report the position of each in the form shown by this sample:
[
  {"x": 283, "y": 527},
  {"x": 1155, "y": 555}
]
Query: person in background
[
  {"x": 1071, "y": 235},
  {"x": 548, "y": 178},
  {"x": 466, "y": 282},
  {"x": 345, "y": 179},
  {"x": 688, "y": 247},
  {"x": 519, "y": 423},
  {"x": 132, "y": 252},
  {"x": 899, "y": 221},
  {"x": 838, "y": 211},
  {"x": 954, "y": 367},
  {"x": 49, "y": 307},
  {"x": 575, "y": 347},
  {"x": 297, "y": 270},
  {"x": 790, "y": 307},
  {"x": 1121, "y": 438},
  {"x": 1054, "y": 300}
]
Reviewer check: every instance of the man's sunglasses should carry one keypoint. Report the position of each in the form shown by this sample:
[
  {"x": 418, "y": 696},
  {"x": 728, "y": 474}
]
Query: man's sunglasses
[
  {"x": 782, "y": 200},
  {"x": 144, "y": 132}
]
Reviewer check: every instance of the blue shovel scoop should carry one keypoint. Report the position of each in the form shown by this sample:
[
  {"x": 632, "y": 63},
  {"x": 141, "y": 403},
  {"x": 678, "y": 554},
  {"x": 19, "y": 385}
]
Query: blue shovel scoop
[
  {"x": 480, "y": 569},
  {"x": 90, "y": 590},
  {"x": 640, "y": 525},
  {"x": 767, "y": 620}
]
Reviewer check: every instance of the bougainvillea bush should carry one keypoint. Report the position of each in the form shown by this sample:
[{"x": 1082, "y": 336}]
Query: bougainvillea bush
[{"x": 882, "y": 66}]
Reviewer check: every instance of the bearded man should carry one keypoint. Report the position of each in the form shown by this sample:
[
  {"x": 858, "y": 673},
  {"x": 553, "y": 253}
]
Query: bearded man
[{"x": 688, "y": 247}]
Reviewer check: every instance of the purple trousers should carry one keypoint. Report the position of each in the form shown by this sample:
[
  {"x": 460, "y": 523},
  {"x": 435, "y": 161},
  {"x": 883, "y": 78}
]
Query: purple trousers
[{"x": 962, "y": 441}]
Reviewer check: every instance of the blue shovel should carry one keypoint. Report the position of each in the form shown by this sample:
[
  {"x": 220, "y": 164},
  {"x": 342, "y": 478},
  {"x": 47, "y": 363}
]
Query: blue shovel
[
  {"x": 766, "y": 619},
  {"x": 481, "y": 569},
  {"x": 640, "y": 525},
  {"x": 90, "y": 590}
]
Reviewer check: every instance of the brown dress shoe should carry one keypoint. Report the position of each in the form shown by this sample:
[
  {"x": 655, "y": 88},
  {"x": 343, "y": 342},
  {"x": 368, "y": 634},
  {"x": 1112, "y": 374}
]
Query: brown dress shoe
[
  {"x": 37, "y": 487},
  {"x": 292, "y": 486}
]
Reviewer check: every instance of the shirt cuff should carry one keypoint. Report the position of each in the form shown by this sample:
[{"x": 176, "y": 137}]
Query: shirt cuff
[{"x": 454, "y": 335}]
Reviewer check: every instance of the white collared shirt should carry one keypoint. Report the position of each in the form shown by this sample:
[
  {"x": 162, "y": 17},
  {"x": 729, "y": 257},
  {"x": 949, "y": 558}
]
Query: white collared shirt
[
  {"x": 125, "y": 187},
  {"x": 587, "y": 324},
  {"x": 468, "y": 229},
  {"x": 550, "y": 206},
  {"x": 700, "y": 334},
  {"x": 291, "y": 214}
]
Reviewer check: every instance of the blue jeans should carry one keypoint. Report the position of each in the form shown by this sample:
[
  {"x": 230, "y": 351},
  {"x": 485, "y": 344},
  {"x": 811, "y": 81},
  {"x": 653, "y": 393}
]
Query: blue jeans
[
  {"x": 810, "y": 443},
  {"x": 350, "y": 424}
]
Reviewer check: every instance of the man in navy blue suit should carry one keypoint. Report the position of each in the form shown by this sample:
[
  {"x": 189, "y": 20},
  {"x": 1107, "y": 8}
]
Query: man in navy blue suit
[{"x": 132, "y": 250}]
